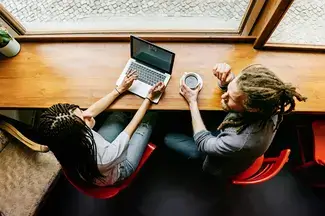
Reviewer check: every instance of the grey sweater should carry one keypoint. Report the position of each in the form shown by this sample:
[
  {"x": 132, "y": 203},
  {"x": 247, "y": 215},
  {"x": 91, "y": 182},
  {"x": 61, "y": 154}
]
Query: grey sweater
[{"x": 230, "y": 153}]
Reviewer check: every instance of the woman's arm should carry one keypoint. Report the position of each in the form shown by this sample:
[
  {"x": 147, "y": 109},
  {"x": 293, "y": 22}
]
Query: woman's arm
[
  {"x": 102, "y": 104},
  {"x": 106, "y": 101},
  {"x": 158, "y": 88},
  {"x": 138, "y": 117}
]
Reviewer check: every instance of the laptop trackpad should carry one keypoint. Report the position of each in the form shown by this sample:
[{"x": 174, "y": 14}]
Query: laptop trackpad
[{"x": 140, "y": 88}]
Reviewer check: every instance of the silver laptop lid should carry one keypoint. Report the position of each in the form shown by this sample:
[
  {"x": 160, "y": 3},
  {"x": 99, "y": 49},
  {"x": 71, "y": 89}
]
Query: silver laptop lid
[{"x": 152, "y": 55}]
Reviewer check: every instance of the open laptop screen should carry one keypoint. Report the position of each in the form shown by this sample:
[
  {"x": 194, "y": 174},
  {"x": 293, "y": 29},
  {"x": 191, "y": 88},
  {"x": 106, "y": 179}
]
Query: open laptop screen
[{"x": 152, "y": 55}]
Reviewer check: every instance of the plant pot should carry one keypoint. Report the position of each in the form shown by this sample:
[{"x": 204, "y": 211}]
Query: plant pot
[{"x": 11, "y": 49}]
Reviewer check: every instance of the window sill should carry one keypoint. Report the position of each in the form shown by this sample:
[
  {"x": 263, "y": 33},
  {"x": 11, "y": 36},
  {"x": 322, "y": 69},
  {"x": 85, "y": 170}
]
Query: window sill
[{"x": 124, "y": 37}]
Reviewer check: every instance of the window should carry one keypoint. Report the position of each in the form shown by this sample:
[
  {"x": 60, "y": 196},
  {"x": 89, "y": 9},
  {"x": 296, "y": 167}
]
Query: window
[
  {"x": 98, "y": 16},
  {"x": 303, "y": 24}
]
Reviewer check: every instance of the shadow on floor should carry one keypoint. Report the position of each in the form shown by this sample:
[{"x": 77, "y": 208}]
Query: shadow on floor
[{"x": 170, "y": 185}]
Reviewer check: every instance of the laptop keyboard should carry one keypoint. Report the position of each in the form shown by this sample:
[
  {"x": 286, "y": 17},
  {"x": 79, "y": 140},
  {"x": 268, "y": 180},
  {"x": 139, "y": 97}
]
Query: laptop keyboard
[{"x": 147, "y": 75}]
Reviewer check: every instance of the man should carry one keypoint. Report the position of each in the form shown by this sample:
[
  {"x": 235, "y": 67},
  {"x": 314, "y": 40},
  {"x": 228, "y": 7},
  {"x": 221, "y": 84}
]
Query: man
[{"x": 256, "y": 101}]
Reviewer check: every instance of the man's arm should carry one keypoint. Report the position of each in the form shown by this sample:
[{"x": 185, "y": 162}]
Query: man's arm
[
  {"x": 197, "y": 122},
  {"x": 223, "y": 145},
  {"x": 223, "y": 73},
  {"x": 192, "y": 95}
]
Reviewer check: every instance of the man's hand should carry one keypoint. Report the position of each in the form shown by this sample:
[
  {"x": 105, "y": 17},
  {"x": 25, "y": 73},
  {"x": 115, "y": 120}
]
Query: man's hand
[
  {"x": 127, "y": 81},
  {"x": 223, "y": 72},
  {"x": 157, "y": 89},
  {"x": 189, "y": 94}
]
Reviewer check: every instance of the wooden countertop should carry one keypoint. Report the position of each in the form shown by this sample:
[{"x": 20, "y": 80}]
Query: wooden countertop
[{"x": 46, "y": 73}]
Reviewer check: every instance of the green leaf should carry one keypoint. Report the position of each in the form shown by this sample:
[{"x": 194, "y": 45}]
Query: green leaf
[
  {"x": 4, "y": 34},
  {"x": 4, "y": 42},
  {"x": 4, "y": 38}
]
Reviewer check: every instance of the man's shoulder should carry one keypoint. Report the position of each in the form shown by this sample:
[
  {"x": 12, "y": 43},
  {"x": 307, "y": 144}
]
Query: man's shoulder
[
  {"x": 232, "y": 138},
  {"x": 255, "y": 129},
  {"x": 259, "y": 135},
  {"x": 262, "y": 126}
]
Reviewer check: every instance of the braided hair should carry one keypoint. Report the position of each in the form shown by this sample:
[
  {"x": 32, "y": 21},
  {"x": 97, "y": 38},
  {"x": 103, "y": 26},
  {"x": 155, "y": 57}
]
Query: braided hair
[
  {"x": 266, "y": 94},
  {"x": 71, "y": 141}
]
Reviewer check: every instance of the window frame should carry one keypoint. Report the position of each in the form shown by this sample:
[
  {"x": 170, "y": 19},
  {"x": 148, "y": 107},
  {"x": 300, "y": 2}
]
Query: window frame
[
  {"x": 240, "y": 35},
  {"x": 11, "y": 21},
  {"x": 276, "y": 17}
]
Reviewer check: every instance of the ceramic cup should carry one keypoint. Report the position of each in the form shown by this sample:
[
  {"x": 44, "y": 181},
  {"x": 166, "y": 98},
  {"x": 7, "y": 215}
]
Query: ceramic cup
[{"x": 191, "y": 80}]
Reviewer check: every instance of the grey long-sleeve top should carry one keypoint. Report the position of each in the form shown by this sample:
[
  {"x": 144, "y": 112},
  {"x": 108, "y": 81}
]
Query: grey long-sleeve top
[{"x": 230, "y": 153}]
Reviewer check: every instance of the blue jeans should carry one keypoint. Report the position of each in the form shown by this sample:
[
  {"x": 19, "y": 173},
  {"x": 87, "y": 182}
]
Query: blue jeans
[
  {"x": 115, "y": 124},
  {"x": 185, "y": 145}
]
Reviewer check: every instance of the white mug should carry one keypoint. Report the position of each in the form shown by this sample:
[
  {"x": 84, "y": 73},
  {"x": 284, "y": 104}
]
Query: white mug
[{"x": 191, "y": 80}]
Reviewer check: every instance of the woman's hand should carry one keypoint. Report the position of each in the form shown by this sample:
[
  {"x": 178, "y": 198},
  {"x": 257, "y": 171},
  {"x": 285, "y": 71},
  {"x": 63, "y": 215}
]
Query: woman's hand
[
  {"x": 157, "y": 89},
  {"x": 131, "y": 75},
  {"x": 88, "y": 119},
  {"x": 223, "y": 72},
  {"x": 189, "y": 94}
]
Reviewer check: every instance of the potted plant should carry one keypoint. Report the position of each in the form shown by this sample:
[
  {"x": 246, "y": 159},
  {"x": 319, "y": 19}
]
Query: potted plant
[{"x": 8, "y": 45}]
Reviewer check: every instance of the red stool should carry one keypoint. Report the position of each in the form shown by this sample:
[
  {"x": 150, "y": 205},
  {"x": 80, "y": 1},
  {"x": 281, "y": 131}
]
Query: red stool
[
  {"x": 109, "y": 192},
  {"x": 318, "y": 148},
  {"x": 262, "y": 169}
]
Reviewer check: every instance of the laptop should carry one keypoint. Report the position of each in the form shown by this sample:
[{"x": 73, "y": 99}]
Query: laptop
[{"x": 152, "y": 63}]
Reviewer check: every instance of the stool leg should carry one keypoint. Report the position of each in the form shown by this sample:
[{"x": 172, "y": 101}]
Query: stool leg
[
  {"x": 306, "y": 165},
  {"x": 301, "y": 149}
]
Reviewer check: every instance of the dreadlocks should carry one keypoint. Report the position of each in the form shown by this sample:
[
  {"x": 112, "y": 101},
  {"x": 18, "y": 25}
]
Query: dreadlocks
[
  {"x": 266, "y": 94},
  {"x": 71, "y": 141}
]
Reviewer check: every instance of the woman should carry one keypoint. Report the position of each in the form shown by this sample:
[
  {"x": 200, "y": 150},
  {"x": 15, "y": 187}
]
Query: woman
[{"x": 103, "y": 158}]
